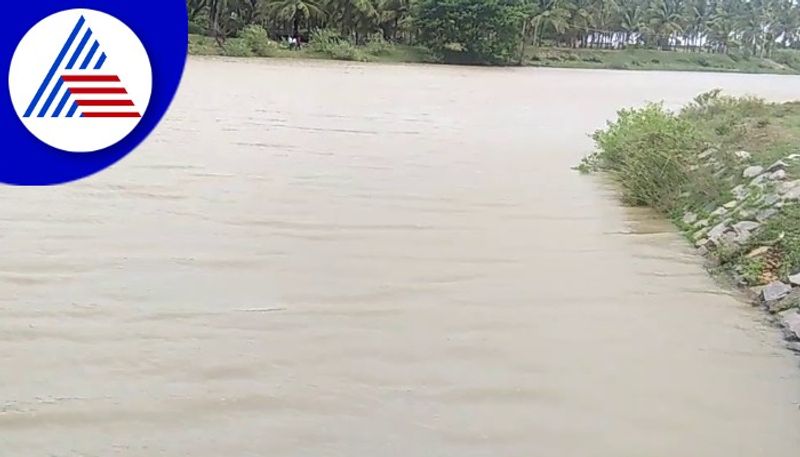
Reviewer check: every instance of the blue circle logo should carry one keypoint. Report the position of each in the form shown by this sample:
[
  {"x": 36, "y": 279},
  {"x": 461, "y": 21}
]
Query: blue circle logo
[{"x": 86, "y": 84}]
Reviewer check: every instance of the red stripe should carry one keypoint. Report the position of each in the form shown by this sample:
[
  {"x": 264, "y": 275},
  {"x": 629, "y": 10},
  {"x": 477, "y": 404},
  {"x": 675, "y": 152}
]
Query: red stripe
[
  {"x": 90, "y": 78},
  {"x": 112, "y": 114},
  {"x": 104, "y": 102},
  {"x": 98, "y": 90}
]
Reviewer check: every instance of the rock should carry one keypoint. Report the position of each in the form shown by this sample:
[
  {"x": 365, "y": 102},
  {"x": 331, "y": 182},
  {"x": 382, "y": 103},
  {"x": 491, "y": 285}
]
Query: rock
[
  {"x": 757, "y": 252},
  {"x": 766, "y": 214},
  {"x": 785, "y": 187},
  {"x": 715, "y": 233},
  {"x": 731, "y": 238},
  {"x": 702, "y": 250},
  {"x": 746, "y": 226},
  {"x": 707, "y": 153},
  {"x": 775, "y": 291},
  {"x": 731, "y": 204},
  {"x": 702, "y": 242},
  {"x": 740, "y": 192},
  {"x": 772, "y": 199},
  {"x": 793, "y": 194},
  {"x": 701, "y": 223},
  {"x": 795, "y": 279},
  {"x": 790, "y": 321},
  {"x": 700, "y": 234},
  {"x": 752, "y": 172},
  {"x": 743, "y": 155},
  {"x": 793, "y": 346},
  {"x": 779, "y": 175},
  {"x": 758, "y": 181},
  {"x": 689, "y": 218},
  {"x": 721, "y": 211},
  {"x": 793, "y": 157},
  {"x": 779, "y": 165}
]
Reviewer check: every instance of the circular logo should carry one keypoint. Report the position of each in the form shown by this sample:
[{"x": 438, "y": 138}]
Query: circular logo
[
  {"x": 88, "y": 81},
  {"x": 80, "y": 80}
]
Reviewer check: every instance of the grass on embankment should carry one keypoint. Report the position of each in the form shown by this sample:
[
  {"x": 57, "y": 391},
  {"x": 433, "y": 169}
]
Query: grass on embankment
[
  {"x": 254, "y": 43},
  {"x": 783, "y": 61},
  {"x": 726, "y": 170},
  {"x": 239, "y": 47}
]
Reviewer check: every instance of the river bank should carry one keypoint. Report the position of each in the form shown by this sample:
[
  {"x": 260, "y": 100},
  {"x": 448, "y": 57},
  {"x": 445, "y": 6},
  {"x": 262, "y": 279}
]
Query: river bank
[
  {"x": 727, "y": 171},
  {"x": 783, "y": 61}
]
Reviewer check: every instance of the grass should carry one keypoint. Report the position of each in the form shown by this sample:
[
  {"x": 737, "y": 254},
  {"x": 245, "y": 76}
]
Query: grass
[
  {"x": 691, "y": 162},
  {"x": 784, "y": 62},
  {"x": 254, "y": 43},
  {"x": 236, "y": 47}
]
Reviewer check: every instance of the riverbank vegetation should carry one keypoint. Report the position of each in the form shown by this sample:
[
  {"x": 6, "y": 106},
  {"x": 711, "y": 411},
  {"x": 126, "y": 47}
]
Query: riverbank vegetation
[
  {"x": 727, "y": 170},
  {"x": 728, "y": 35}
]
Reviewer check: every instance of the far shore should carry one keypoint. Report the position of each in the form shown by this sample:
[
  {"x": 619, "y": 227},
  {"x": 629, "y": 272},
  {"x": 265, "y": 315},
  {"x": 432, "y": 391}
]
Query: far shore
[{"x": 629, "y": 59}]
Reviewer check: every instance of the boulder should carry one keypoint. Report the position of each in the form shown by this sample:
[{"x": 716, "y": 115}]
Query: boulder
[
  {"x": 743, "y": 155},
  {"x": 775, "y": 291},
  {"x": 689, "y": 218},
  {"x": 740, "y": 192},
  {"x": 707, "y": 153},
  {"x": 779, "y": 175},
  {"x": 721, "y": 211},
  {"x": 752, "y": 172},
  {"x": 716, "y": 233},
  {"x": 701, "y": 223},
  {"x": 793, "y": 194},
  {"x": 766, "y": 214},
  {"x": 790, "y": 321},
  {"x": 772, "y": 199},
  {"x": 757, "y": 252},
  {"x": 731, "y": 204},
  {"x": 785, "y": 187},
  {"x": 779, "y": 165},
  {"x": 795, "y": 279},
  {"x": 746, "y": 226}
]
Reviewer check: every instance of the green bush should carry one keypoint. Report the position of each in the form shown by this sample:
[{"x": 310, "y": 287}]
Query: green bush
[
  {"x": 257, "y": 39},
  {"x": 237, "y": 47},
  {"x": 377, "y": 45},
  {"x": 196, "y": 29},
  {"x": 331, "y": 44},
  {"x": 652, "y": 152}
]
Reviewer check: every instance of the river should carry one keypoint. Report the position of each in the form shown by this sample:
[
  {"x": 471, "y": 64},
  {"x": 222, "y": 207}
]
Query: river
[{"x": 330, "y": 259}]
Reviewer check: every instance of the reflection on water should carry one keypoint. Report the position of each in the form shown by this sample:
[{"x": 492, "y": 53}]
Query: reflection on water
[{"x": 313, "y": 259}]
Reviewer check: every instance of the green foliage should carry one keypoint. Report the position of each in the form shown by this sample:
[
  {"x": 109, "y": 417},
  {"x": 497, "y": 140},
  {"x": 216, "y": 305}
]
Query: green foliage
[
  {"x": 237, "y": 47},
  {"x": 653, "y": 154},
  {"x": 783, "y": 232},
  {"x": 330, "y": 44},
  {"x": 257, "y": 39},
  {"x": 480, "y": 31},
  {"x": 752, "y": 270},
  {"x": 731, "y": 34}
]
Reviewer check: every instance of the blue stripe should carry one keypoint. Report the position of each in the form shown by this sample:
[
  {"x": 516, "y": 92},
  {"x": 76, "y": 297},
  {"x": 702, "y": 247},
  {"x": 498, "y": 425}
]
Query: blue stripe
[
  {"x": 56, "y": 90},
  {"x": 55, "y": 66},
  {"x": 79, "y": 50},
  {"x": 72, "y": 109},
  {"x": 90, "y": 55},
  {"x": 61, "y": 104},
  {"x": 100, "y": 61}
]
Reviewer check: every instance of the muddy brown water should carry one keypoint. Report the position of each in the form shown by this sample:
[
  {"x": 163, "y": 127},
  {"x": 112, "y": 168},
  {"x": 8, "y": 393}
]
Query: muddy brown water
[{"x": 328, "y": 259}]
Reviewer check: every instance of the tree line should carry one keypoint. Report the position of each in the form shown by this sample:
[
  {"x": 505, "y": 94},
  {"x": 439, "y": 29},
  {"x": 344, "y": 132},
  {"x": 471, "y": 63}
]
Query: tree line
[{"x": 503, "y": 29}]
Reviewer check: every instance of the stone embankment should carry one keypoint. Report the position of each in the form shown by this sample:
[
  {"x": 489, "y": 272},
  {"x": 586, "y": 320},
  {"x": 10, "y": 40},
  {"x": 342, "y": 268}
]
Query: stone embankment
[{"x": 734, "y": 226}]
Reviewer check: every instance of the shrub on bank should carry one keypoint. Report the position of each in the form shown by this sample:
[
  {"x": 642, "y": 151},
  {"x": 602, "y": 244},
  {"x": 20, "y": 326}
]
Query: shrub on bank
[
  {"x": 652, "y": 153},
  {"x": 727, "y": 170},
  {"x": 257, "y": 39},
  {"x": 331, "y": 44},
  {"x": 237, "y": 47}
]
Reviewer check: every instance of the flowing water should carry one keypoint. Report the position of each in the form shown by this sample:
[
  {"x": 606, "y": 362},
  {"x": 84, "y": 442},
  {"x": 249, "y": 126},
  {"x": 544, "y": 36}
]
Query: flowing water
[{"x": 326, "y": 259}]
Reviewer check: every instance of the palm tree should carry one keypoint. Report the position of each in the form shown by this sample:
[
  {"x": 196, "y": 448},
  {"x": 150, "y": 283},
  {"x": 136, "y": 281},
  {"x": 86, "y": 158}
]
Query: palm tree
[{"x": 295, "y": 11}]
